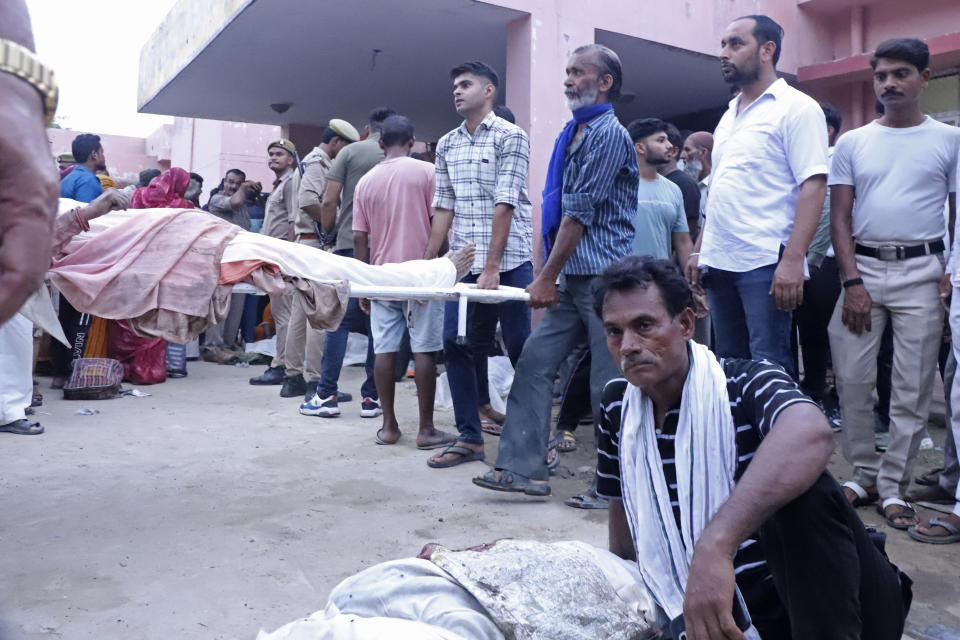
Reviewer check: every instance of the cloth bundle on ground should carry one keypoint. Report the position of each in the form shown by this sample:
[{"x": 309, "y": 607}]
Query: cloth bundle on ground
[
  {"x": 519, "y": 589},
  {"x": 170, "y": 272}
]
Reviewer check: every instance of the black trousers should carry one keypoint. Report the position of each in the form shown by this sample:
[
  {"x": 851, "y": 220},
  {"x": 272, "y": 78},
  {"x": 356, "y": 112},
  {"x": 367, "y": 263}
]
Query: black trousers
[
  {"x": 820, "y": 295},
  {"x": 832, "y": 578},
  {"x": 576, "y": 393}
]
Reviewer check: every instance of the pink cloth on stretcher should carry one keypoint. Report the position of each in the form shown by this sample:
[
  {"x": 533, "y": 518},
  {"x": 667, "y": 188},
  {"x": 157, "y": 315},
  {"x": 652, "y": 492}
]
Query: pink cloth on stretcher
[{"x": 161, "y": 270}]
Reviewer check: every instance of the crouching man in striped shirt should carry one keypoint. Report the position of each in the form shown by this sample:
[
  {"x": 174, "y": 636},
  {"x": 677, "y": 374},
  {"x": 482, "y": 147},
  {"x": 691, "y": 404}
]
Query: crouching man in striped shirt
[{"x": 716, "y": 473}]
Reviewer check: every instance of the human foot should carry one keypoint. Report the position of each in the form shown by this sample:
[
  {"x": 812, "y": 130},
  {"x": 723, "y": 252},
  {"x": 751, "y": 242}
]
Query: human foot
[
  {"x": 449, "y": 456},
  {"x": 431, "y": 438},
  {"x": 940, "y": 530},
  {"x": 505, "y": 480},
  {"x": 489, "y": 414},
  {"x": 462, "y": 259},
  {"x": 899, "y": 516},
  {"x": 387, "y": 436}
]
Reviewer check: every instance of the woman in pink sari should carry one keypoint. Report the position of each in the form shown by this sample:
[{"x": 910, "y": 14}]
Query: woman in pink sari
[{"x": 164, "y": 192}]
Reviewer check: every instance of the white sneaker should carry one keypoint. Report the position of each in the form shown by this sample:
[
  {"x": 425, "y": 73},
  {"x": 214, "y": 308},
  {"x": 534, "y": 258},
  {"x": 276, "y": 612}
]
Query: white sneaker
[
  {"x": 323, "y": 407},
  {"x": 369, "y": 408}
]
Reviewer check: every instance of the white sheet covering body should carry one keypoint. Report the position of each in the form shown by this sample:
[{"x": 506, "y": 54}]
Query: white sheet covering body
[
  {"x": 416, "y": 599},
  {"x": 304, "y": 261}
]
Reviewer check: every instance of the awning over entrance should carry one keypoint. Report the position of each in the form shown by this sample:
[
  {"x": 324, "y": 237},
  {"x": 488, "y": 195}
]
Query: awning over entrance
[
  {"x": 327, "y": 59},
  {"x": 668, "y": 82}
]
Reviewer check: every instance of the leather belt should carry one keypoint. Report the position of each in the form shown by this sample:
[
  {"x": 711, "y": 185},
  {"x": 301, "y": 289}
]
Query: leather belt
[
  {"x": 895, "y": 252},
  {"x": 306, "y": 236}
]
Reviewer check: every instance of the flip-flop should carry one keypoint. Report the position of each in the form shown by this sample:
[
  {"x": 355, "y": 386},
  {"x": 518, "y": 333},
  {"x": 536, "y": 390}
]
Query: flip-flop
[
  {"x": 446, "y": 439},
  {"x": 891, "y": 520},
  {"x": 863, "y": 497},
  {"x": 510, "y": 481},
  {"x": 466, "y": 455},
  {"x": 587, "y": 501},
  {"x": 380, "y": 440},
  {"x": 931, "y": 493},
  {"x": 930, "y": 478},
  {"x": 492, "y": 428},
  {"x": 952, "y": 536},
  {"x": 22, "y": 427},
  {"x": 566, "y": 441}
]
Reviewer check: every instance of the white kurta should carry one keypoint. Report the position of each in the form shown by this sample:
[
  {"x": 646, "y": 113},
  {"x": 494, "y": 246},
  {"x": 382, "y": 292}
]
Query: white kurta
[{"x": 16, "y": 368}]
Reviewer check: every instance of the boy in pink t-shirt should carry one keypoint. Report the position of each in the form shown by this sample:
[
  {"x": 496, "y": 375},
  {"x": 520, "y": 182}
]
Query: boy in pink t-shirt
[{"x": 391, "y": 223}]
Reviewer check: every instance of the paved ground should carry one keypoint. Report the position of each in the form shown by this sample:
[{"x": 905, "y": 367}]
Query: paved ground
[{"x": 212, "y": 509}]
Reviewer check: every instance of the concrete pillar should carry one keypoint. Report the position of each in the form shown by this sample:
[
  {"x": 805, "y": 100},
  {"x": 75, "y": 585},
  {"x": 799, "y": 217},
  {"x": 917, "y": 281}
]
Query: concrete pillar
[
  {"x": 537, "y": 47},
  {"x": 856, "y": 30}
]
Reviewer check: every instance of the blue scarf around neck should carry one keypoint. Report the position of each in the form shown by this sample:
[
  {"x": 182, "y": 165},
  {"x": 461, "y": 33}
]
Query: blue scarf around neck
[{"x": 551, "y": 212}]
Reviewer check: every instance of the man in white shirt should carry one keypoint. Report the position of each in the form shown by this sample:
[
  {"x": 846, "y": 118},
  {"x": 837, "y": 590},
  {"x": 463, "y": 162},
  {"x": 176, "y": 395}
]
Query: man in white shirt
[
  {"x": 888, "y": 182},
  {"x": 766, "y": 192}
]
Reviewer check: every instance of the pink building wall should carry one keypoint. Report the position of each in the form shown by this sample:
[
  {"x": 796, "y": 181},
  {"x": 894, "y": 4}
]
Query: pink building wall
[
  {"x": 206, "y": 147},
  {"x": 126, "y": 156}
]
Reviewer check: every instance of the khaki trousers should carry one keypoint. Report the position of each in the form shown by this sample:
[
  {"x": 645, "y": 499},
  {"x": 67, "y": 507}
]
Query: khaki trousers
[
  {"x": 904, "y": 292},
  {"x": 303, "y": 350},
  {"x": 280, "y": 308}
]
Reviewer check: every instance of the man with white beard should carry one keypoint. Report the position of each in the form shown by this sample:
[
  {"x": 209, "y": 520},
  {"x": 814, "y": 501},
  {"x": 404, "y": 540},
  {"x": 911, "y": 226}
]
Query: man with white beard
[
  {"x": 589, "y": 203},
  {"x": 697, "y": 164}
]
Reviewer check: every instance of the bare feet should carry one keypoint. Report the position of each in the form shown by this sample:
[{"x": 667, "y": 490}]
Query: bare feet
[
  {"x": 58, "y": 382},
  {"x": 443, "y": 458},
  {"x": 432, "y": 438},
  {"x": 388, "y": 435},
  {"x": 489, "y": 414},
  {"x": 462, "y": 259}
]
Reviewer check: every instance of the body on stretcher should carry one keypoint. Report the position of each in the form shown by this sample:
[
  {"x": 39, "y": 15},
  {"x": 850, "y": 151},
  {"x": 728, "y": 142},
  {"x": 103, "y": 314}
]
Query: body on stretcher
[{"x": 461, "y": 292}]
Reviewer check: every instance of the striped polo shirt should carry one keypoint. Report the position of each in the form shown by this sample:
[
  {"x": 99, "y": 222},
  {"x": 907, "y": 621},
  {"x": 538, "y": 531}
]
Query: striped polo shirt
[{"x": 758, "y": 391}]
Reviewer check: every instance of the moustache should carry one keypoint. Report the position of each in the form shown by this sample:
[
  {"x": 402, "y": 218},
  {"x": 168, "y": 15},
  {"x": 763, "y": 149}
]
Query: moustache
[
  {"x": 633, "y": 359},
  {"x": 887, "y": 94}
]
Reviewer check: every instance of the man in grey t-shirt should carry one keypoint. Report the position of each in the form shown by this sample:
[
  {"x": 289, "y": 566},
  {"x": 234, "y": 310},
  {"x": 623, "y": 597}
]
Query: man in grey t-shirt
[{"x": 231, "y": 203}]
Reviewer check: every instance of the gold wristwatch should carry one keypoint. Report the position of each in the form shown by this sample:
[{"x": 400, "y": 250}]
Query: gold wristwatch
[{"x": 23, "y": 63}]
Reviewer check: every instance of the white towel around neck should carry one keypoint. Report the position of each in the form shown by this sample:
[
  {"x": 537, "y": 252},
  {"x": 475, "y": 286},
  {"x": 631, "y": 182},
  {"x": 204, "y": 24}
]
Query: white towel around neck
[{"x": 706, "y": 459}]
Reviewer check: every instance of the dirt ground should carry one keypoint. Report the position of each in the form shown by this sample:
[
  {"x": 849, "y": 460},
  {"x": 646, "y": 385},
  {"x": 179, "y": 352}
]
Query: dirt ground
[{"x": 212, "y": 509}]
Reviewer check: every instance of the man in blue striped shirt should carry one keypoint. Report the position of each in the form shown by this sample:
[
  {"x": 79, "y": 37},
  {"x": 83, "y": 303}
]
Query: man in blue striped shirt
[{"x": 589, "y": 204}]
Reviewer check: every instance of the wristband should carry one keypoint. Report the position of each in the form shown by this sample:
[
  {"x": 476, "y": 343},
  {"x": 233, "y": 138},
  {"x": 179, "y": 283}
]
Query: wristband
[{"x": 852, "y": 282}]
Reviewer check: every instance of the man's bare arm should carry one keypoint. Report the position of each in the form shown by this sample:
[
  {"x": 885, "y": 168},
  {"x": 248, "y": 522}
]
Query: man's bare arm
[
  {"x": 331, "y": 202},
  {"x": 683, "y": 245},
  {"x": 28, "y": 178},
  {"x": 499, "y": 232},
  {"x": 789, "y": 460},
  {"x": 618, "y": 530},
  {"x": 361, "y": 246},
  {"x": 315, "y": 211},
  {"x": 787, "y": 285},
  {"x": 439, "y": 228}
]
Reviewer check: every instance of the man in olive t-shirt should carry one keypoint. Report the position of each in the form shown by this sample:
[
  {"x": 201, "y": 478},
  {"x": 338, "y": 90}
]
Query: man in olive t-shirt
[{"x": 350, "y": 165}]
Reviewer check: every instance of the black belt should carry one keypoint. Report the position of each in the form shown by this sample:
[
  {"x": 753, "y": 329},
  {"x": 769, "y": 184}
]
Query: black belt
[{"x": 894, "y": 252}]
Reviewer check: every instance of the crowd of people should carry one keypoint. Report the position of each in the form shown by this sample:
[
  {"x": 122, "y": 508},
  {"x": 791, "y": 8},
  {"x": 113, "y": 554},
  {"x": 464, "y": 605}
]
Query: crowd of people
[{"x": 688, "y": 282}]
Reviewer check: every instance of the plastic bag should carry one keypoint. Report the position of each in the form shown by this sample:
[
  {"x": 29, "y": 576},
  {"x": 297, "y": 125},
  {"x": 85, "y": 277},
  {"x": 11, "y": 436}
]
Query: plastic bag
[{"x": 144, "y": 360}]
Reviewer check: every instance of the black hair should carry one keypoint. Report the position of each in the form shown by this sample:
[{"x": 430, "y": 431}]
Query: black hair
[
  {"x": 832, "y": 114},
  {"x": 609, "y": 63},
  {"x": 639, "y": 272},
  {"x": 378, "y": 115},
  {"x": 479, "y": 69},
  {"x": 83, "y": 145},
  {"x": 243, "y": 176},
  {"x": 503, "y": 111},
  {"x": 396, "y": 131},
  {"x": 197, "y": 177},
  {"x": 329, "y": 134},
  {"x": 645, "y": 127},
  {"x": 911, "y": 50},
  {"x": 146, "y": 176},
  {"x": 674, "y": 135},
  {"x": 766, "y": 30}
]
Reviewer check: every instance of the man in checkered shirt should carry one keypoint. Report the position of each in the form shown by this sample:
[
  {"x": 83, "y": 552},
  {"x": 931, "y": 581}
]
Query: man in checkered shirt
[{"x": 481, "y": 175}]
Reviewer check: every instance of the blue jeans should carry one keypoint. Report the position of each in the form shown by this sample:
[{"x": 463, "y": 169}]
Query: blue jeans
[
  {"x": 461, "y": 359},
  {"x": 523, "y": 444},
  {"x": 746, "y": 321},
  {"x": 336, "y": 346}
]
